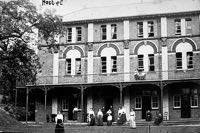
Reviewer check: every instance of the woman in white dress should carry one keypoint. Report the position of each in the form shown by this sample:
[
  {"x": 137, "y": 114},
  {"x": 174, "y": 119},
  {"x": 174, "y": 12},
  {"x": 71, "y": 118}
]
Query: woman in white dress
[{"x": 132, "y": 119}]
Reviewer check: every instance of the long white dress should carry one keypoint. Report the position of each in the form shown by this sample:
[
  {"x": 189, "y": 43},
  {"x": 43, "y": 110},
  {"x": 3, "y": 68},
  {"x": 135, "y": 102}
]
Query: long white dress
[{"x": 132, "y": 119}]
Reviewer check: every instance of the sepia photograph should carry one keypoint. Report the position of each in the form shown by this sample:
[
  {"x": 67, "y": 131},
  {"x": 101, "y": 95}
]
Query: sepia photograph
[{"x": 100, "y": 66}]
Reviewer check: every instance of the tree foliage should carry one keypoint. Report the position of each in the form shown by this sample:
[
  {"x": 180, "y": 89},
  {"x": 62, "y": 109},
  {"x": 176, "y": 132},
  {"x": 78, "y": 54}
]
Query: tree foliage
[{"x": 18, "y": 60}]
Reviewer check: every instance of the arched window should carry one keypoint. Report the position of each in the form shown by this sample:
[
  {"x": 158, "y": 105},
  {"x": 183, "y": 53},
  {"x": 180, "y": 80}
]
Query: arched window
[
  {"x": 146, "y": 58},
  {"x": 108, "y": 60},
  {"x": 73, "y": 62},
  {"x": 184, "y": 56}
]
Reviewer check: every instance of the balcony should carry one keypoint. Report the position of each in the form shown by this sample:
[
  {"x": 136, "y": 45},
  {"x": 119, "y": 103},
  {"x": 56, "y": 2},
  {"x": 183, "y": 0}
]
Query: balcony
[{"x": 116, "y": 77}]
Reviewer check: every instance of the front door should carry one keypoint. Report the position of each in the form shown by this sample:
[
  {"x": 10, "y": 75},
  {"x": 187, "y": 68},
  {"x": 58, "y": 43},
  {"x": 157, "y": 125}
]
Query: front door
[
  {"x": 146, "y": 105},
  {"x": 185, "y": 106}
]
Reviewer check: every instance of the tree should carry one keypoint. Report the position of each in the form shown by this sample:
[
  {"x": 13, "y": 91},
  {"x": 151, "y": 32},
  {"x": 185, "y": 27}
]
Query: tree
[{"x": 18, "y": 20}]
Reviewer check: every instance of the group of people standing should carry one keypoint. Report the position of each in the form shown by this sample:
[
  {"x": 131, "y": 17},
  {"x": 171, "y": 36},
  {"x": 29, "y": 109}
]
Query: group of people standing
[
  {"x": 107, "y": 116},
  {"x": 102, "y": 116}
]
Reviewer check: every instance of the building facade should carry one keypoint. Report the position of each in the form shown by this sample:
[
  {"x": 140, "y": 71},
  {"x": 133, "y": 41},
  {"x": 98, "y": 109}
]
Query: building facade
[{"x": 145, "y": 61}]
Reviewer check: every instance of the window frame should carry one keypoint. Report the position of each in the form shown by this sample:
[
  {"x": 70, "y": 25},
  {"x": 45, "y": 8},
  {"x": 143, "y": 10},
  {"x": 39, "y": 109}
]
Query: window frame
[
  {"x": 179, "y": 60},
  {"x": 78, "y": 34},
  {"x": 192, "y": 99},
  {"x": 65, "y": 104},
  {"x": 138, "y": 102},
  {"x": 103, "y": 65},
  {"x": 77, "y": 72},
  {"x": 152, "y": 102},
  {"x": 150, "y": 27},
  {"x": 190, "y": 60},
  {"x": 69, "y": 34},
  {"x": 103, "y": 32},
  {"x": 67, "y": 66},
  {"x": 176, "y": 107},
  {"x": 151, "y": 62},
  {"x": 114, "y": 33},
  {"x": 140, "y": 30},
  {"x": 114, "y": 65},
  {"x": 141, "y": 61},
  {"x": 188, "y": 26},
  {"x": 177, "y": 24}
]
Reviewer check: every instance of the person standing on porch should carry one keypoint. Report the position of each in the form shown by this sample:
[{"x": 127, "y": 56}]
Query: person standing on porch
[
  {"x": 75, "y": 113},
  {"x": 109, "y": 119},
  {"x": 104, "y": 114},
  {"x": 119, "y": 119},
  {"x": 123, "y": 115},
  {"x": 99, "y": 118},
  {"x": 132, "y": 119},
  {"x": 91, "y": 117},
  {"x": 59, "y": 117}
]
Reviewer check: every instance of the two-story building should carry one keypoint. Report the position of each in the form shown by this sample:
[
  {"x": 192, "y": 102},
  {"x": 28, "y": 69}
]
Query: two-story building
[{"x": 144, "y": 56}]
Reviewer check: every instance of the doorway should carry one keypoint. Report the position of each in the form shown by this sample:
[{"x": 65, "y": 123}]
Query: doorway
[
  {"x": 146, "y": 105},
  {"x": 185, "y": 106},
  {"x": 108, "y": 103},
  {"x": 72, "y": 104}
]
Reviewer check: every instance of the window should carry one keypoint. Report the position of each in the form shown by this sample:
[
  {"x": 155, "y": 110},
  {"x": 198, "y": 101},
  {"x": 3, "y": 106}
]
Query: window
[
  {"x": 138, "y": 103},
  {"x": 189, "y": 60},
  {"x": 103, "y": 32},
  {"x": 155, "y": 102},
  {"x": 188, "y": 26},
  {"x": 151, "y": 62},
  {"x": 68, "y": 66},
  {"x": 65, "y": 104},
  {"x": 194, "y": 97},
  {"x": 179, "y": 60},
  {"x": 194, "y": 101},
  {"x": 114, "y": 63},
  {"x": 178, "y": 26},
  {"x": 78, "y": 34},
  {"x": 177, "y": 101},
  {"x": 140, "y": 62},
  {"x": 113, "y": 31},
  {"x": 103, "y": 64},
  {"x": 140, "y": 29},
  {"x": 150, "y": 29},
  {"x": 69, "y": 34},
  {"x": 78, "y": 65}
]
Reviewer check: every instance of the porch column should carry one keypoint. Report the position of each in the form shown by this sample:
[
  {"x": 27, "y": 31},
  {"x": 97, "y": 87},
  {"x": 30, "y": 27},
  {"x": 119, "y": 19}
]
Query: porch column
[
  {"x": 121, "y": 90},
  {"x": 161, "y": 98},
  {"x": 27, "y": 104},
  {"x": 45, "y": 103},
  {"x": 127, "y": 102},
  {"x": 82, "y": 114}
]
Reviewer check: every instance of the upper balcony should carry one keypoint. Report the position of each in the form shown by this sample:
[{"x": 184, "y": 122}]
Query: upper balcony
[{"x": 134, "y": 77}]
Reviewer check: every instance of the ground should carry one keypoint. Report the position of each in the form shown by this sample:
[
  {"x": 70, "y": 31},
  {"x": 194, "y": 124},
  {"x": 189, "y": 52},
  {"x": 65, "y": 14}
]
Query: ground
[{"x": 49, "y": 128}]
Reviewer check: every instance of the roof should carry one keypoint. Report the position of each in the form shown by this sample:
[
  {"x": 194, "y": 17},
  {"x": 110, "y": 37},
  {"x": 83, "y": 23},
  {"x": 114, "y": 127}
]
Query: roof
[{"x": 134, "y": 9}]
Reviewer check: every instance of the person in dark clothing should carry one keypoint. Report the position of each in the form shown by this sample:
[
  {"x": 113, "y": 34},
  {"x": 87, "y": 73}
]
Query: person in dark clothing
[
  {"x": 59, "y": 127},
  {"x": 104, "y": 114},
  {"x": 148, "y": 116}
]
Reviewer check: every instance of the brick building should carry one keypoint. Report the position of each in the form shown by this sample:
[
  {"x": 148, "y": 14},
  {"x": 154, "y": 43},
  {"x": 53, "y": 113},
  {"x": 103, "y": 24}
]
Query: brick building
[{"x": 144, "y": 56}]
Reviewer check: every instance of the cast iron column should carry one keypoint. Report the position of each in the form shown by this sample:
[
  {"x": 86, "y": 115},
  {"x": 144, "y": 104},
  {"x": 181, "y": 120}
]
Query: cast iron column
[
  {"x": 45, "y": 103},
  {"x": 120, "y": 89},
  {"x": 27, "y": 104},
  {"x": 82, "y": 92},
  {"x": 161, "y": 98}
]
